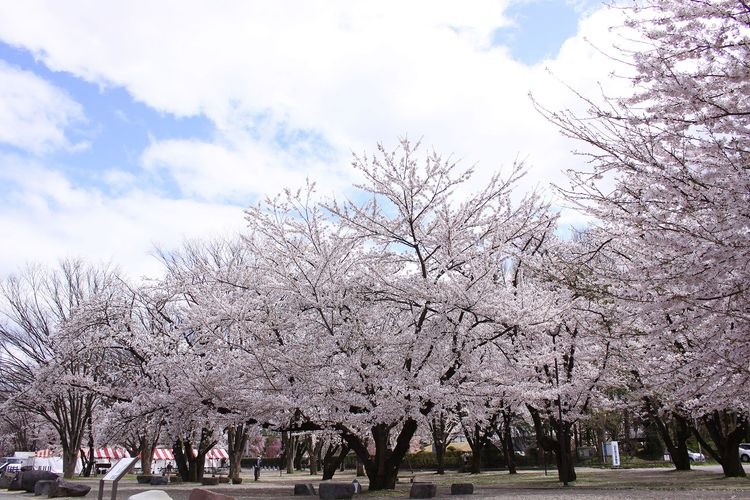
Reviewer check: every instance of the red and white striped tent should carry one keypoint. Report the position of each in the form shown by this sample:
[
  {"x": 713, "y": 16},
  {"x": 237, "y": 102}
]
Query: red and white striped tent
[
  {"x": 167, "y": 454},
  {"x": 49, "y": 460},
  {"x": 217, "y": 454},
  {"x": 108, "y": 453},
  {"x": 162, "y": 454}
]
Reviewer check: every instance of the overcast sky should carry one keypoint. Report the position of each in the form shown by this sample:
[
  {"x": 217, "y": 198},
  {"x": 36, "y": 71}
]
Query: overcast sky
[{"x": 126, "y": 125}]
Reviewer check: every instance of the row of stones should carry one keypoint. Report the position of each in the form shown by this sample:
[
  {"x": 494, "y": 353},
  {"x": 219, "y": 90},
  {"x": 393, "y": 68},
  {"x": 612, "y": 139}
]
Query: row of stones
[{"x": 347, "y": 490}]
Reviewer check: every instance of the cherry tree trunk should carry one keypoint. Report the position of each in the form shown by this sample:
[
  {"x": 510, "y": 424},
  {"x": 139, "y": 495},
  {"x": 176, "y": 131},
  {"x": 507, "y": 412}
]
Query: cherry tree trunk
[
  {"x": 440, "y": 434},
  {"x": 190, "y": 465},
  {"x": 181, "y": 460},
  {"x": 142, "y": 444},
  {"x": 676, "y": 442},
  {"x": 315, "y": 447},
  {"x": 731, "y": 464},
  {"x": 147, "y": 454},
  {"x": 299, "y": 453},
  {"x": 237, "y": 439},
  {"x": 506, "y": 438},
  {"x": 680, "y": 458},
  {"x": 566, "y": 473},
  {"x": 70, "y": 459},
  {"x": 476, "y": 442},
  {"x": 674, "y": 434},
  {"x": 89, "y": 462},
  {"x": 332, "y": 459},
  {"x": 439, "y": 456},
  {"x": 727, "y": 431},
  {"x": 565, "y": 466},
  {"x": 290, "y": 449},
  {"x": 382, "y": 469}
]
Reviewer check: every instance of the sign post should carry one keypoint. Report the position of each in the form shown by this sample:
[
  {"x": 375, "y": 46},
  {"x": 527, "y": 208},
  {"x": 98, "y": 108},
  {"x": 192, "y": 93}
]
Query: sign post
[
  {"x": 615, "y": 454},
  {"x": 115, "y": 474}
]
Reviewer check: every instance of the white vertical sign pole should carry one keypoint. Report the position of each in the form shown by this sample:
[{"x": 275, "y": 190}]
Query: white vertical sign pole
[{"x": 615, "y": 454}]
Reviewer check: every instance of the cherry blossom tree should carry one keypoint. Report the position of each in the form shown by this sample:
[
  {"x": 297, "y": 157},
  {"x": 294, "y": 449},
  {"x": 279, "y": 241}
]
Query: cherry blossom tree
[
  {"x": 571, "y": 365},
  {"x": 668, "y": 182},
  {"x": 39, "y": 376},
  {"x": 390, "y": 296}
]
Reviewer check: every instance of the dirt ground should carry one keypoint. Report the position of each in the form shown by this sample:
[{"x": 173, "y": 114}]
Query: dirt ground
[{"x": 702, "y": 482}]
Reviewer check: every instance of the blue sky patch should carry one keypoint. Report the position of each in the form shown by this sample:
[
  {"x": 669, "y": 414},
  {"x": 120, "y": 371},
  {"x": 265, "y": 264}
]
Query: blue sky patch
[
  {"x": 540, "y": 27},
  {"x": 117, "y": 128}
]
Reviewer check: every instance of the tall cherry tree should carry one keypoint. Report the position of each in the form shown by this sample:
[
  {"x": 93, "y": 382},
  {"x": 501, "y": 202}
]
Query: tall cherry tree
[
  {"x": 668, "y": 181},
  {"x": 39, "y": 376}
]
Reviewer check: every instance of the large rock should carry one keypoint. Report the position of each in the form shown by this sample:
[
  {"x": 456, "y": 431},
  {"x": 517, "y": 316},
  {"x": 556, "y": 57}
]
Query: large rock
[
  {"x": 159, "y": 480},
  {"x": 29, "y": 478},
  {"x": 201, "y": 494},
  {"x": 150, "y": 495},
  {"x": 335, "y": 490},
  {"x": 15, "y": 483},
  {"x": 43, "y": 487},
  {"x": 5, "y": 480},
  {"x": 423, "y": 490},
  {"x": 210, "y": 481},
  {"x": 304, "y": 490},
  {"x": 62, "y": 488},
  {"x": 462, "y": 489}
]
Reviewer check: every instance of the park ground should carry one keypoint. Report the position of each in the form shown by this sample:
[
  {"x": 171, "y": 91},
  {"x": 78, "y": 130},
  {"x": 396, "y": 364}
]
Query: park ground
[{"x": 655, "y": 483}]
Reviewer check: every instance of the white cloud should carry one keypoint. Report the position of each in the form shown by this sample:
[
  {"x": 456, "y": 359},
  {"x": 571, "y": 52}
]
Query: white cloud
[
  {"x": 351, "y": 73},
  {"x": 34, "y": 114},
  {"x": 47, "y": 218},
  {"x": 236, "y": 170}
]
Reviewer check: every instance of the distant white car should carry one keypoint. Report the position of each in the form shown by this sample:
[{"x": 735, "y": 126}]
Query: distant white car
[
  {"x": 745, "y": 452},
  {"x": 696, "y": 457}
]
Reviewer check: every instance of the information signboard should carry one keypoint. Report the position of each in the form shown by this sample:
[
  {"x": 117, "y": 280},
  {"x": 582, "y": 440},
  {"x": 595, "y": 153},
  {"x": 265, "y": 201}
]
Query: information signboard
[{"x": 115, "y": 474}]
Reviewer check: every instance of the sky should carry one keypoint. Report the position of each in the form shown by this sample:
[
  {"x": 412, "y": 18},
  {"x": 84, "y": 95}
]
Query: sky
[{"x": 131, "y": 126}]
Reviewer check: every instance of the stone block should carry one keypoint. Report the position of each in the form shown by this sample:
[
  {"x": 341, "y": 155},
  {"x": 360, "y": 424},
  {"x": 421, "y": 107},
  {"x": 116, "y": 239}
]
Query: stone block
[
  {"x": 210, "y": 481},
  {"x": 332, "y": 491},
  {"x": 462, "y": 489},
  {"x": 159, "y": 481},
  {"x": 144, "y": 478},
  {"x": 43, "y": 487},
  {"x": 201, "y": 494},
  {"x": 304, "y": 490},
  {"x": 63, "y": 488},
  {"x": 29, "y": 478},
  {"x": 423, "y": 490}
]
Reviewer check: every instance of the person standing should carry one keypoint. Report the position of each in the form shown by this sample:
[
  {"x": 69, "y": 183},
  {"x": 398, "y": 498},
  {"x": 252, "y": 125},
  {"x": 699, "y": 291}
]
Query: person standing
[{"x": 256, "y": 469}]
